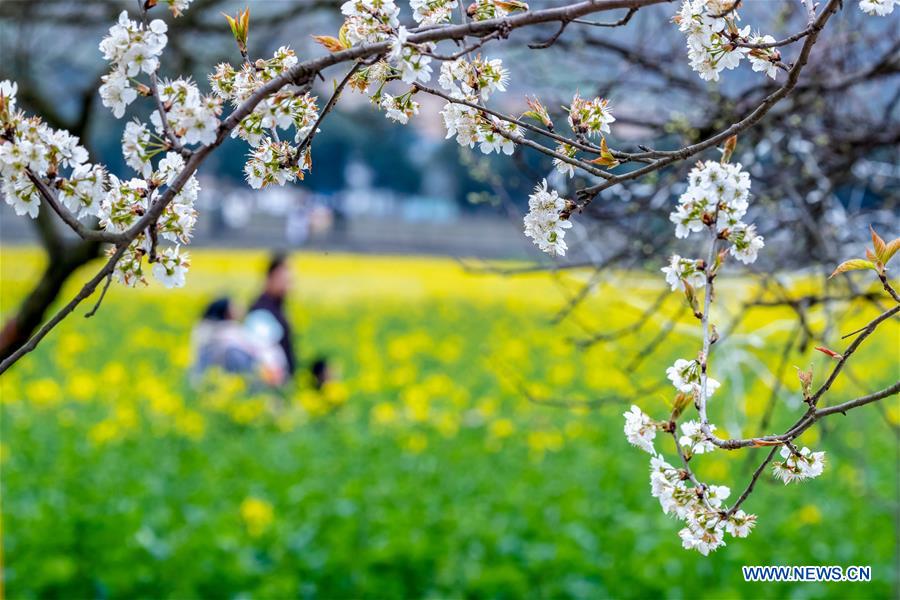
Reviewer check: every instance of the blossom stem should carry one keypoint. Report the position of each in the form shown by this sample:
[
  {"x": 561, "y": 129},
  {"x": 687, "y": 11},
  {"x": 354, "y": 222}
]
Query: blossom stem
[{"x": 705, "y": 326}]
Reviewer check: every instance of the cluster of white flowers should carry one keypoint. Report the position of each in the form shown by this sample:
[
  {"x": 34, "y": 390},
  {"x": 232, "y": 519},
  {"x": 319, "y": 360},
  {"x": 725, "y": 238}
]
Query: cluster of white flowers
[
  {"x": 640, "y": 429},
  {"x": 369, "y": 21},
  {"x": 474, "y": 81},
  {"x": 397, "y": 108},
  {"x": 544, "y": 223},
  {"x": 463, "y": 78},
  {"x": 124, "y": 203},
  {"x": 470, "y": 127},
  {"x": 710, "y": 47},
  {"x": 432, "y": 12},
  {"x": 408, "y": 59},
  {"x": 561, "y": 166},
  {"x": 685, "y": 375},
  {"x": 745, "y": 244},
  {"x": 28, "y": 147},
  {"x": 290, "y": 107},
  {"x": 482, "y": 10},
  {"x": 31, "y": 152},
  {"x": 176, "y": 223},
  {"x": 880, "y": 8},
  {"x": 273, "y": 162},
  {"x": 192, "y": 117},
  {"x": 682, "y": 272},
  {"x": 82, "y": 190},
  {"x": 130, "y": 49},
  {"x": 171, "y": 266},
  {"x": 717, "y": 198},
  {"x": 129, "y": 270},
  {"x": 693, "y": 439},
  {"x": 764, "y": 60},
  {"x": 137, "y": 147},
  {"x": 798, "y": 466},
  {"x": 718, "y": 194},
  {"x": 590, "y": 117},
  {"x": 127, "y": 201},
  {"x": 179, "y": 6},
  {"x": 701, "y": 508},
  {"x": 714, "y": 38}
]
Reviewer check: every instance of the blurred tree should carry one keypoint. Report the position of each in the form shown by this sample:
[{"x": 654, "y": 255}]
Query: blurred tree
[{"x": 44, "y": 49}]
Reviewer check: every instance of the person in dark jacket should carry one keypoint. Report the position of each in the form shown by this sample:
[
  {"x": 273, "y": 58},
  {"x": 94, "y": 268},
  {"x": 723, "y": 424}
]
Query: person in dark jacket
[{"x": 277, "y": 286}]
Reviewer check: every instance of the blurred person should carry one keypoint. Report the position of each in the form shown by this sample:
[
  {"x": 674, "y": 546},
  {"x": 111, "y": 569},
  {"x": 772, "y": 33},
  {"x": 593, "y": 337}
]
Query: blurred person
[
  {"x": 277, "y": 285},
  {"x": 221, "y": 341}
]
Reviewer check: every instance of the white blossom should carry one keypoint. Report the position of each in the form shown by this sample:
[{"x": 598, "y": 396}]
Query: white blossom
[
  {"x": 710, "y": 50},
  {"x": 543, "y": 223},
  {"x": 272, "y": 162},
  {"x": 716, "y": 494},
  {"x": 116, "y": 94},
  {"x": 694, "y": 439},
  {"x": 463, "y": 78},
  {"x": 130, "y": 49},
  {"x": 796, "y": 467},
  {"x": 704, "y": 538},
  {"x": 740, "y": 523},
  {"x": 369, "y": 21},
  {"x": 8, "y": 91},
  {"x": 432, "y": 12},
  {"x": 590, "y": 117},
  {"x": 412, "y": 64},
  {"x": 880, "y": 8},
  {"x": 493, "y": 139},
  {"x": 462, "y": 122},
  {"x": 129, "y": 268},
  {"x": 684, "y": 270},
  {"x": 399, "y": 108},
  {"x": 20, "y": 193},
  {"x": 123, "y": 204},
  {"x": 640, "y": 429},
  {"x": 193, "y": 117},
  {"x": 171, "y": 267},
  {"x": 764, "y": 60},
  {"x": 136, "y": 147},
  {"x": 717, "y": 193},
  {"x": 685, "y": 375},
  {"x": 83, "y": 190},
  {"x": 745, "y": 243}
]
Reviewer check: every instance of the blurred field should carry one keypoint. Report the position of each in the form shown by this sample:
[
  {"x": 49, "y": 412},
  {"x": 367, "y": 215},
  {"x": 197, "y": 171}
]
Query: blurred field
[{"x": 425, "y": 471}]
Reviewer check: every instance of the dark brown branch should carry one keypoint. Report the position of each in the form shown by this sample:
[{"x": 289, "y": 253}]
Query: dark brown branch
[
  {"x": 170, "y": 136},
  {"x": 623, "y": 21},
  {"x": 753, "y": 480},
  {"x": 94, "y": 310},
  {"x": 588, "y": 194},
  {"x": 332, "y": 102},
  {"x": 85, "y": 292}
]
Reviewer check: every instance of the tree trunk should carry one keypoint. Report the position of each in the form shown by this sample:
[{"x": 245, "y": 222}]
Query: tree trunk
[{"x": 60, "y": 266}]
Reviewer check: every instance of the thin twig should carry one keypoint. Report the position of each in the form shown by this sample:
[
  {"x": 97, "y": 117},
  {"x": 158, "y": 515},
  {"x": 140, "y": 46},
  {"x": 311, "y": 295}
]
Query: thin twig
[{"x": 93, "y": 311}]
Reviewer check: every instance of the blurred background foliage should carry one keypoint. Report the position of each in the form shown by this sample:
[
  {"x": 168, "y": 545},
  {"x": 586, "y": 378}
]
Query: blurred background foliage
[{"x": 468, "y": 449}]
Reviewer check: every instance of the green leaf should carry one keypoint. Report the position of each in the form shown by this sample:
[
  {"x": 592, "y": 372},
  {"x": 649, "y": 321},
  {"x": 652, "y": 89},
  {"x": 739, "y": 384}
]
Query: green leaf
[{"x": 855, "y": 264}]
